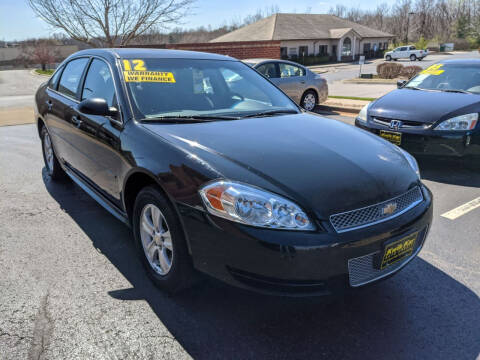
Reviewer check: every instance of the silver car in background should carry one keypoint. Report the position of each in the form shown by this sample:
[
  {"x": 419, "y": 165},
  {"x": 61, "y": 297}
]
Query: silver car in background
[{"x": 302, "y": 85}]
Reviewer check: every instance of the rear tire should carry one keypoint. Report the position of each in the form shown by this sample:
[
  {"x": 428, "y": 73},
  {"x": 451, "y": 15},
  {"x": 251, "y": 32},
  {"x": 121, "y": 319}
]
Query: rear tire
[
  {"x": 53, "y": 167},
  {"x": 413, "y": 57},
  {"x": 160, "y": 242},
  {"x": 309, "y": 100},
  {"x": 388, "y": 58}
]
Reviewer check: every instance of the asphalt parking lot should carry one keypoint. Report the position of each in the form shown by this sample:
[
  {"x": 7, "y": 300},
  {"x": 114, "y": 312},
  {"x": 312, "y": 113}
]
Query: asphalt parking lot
[{"x": 72, "y": 287}]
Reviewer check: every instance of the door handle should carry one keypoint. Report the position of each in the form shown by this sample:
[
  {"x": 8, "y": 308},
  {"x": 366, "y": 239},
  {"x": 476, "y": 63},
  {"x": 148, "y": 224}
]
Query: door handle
[
  {"x": 76, "y": 121},
  {"x": 49, "y": 104}
]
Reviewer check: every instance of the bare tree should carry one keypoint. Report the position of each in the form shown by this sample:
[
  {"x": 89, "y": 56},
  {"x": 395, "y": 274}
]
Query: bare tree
[
  {"x": 43, "y": 52},
  {"x": 109, "y": 22}
]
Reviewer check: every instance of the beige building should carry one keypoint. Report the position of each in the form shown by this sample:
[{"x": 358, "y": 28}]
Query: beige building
[{"x": 313, "y": 34}]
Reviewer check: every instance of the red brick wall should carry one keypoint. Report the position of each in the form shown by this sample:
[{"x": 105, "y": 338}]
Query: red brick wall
[{"x": 239, "y": 50}]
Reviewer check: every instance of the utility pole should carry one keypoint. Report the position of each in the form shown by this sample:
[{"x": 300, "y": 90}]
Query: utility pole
[{"x": 408, "y": 24}]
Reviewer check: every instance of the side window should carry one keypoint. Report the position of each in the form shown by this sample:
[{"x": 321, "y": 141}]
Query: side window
[
  {"x": 403, "y": 48},
  {"x": 413, "y": 48},
  {"x": 287, "y": 70},
  {"x": 239, "y": 85},
  {"x": 52, "y": 84},
  {"x": 268, "y": 70},
  {"x": 99, "y": 82},
  {"x": 71, "y": 77}
]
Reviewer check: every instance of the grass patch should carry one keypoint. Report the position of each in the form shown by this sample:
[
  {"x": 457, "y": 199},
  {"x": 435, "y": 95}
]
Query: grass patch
[
  {"x": 352, "y": 98},
  {"x": 44, "y": 72}
]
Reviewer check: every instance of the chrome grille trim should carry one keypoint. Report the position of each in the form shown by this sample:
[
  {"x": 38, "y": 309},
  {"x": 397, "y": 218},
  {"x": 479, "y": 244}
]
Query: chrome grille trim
[
  {"x": 406, "y": 124},
  {"x": 361, "y": 270},
  {"x": 371, "y": 215}
]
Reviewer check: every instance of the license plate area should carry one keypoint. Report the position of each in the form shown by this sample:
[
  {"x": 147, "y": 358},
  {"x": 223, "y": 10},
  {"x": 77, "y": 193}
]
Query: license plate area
[
  {"x": 397, "y": 250},
  {"x": 392, "y": 136}
]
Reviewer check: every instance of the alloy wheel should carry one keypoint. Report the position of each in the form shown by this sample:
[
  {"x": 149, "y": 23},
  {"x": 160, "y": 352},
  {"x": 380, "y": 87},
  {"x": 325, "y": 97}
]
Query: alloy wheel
[
  {"x": 48, "y": 151},
  {"x": 156, "y": 239},
  {"x": 309, "y": 102}
]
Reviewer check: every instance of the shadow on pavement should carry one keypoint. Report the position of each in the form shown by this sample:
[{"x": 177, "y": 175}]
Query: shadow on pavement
[
  {"x": 463, "y": 172},
  {"x": 420, "y": 313}
]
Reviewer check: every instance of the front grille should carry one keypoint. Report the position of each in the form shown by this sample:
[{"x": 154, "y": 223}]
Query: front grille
[
  {"x": 354, "y": 219},
  {"x": 405, "y": 123},
  {"x": 361, "y": 270}
]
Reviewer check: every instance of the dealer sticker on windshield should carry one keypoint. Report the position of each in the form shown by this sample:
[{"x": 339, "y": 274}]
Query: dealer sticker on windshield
[
  {"x": 135, "y": 71},
  {"x": 433, "y": 70}
]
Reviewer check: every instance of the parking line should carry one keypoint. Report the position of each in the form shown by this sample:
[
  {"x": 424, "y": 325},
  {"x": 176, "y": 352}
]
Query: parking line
[{"x": 462, "y": 209}]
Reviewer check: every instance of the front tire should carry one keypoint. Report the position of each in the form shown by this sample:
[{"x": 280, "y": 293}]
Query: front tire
[
  {"x": 413, "y": 57},
  {"x": 388, "y": 58},
  {"x": 160, "y": 241},
  {"x": 309, "y": 100},
  {"x": 53, "y": 167}
]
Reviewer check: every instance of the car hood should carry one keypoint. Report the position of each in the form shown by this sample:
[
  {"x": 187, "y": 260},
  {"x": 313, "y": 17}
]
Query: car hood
[
  {"x": 322, "y": 164},
  {"x": 422, "y": 105}
]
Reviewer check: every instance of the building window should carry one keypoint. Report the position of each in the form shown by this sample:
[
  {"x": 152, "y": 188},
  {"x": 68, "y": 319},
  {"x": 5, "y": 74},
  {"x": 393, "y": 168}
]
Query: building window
[
  {"x": 283, "y": 52},
  {"x": 303, "y": 50},
  {"x": 347, "y": 47},
  {"x": 292, "y": 51},
  {"x": 334, "y": 50},
  {"x": 323, "y": 50},
  {"x": 366, "y": 48},
  {"x": 385, "y": 45}
]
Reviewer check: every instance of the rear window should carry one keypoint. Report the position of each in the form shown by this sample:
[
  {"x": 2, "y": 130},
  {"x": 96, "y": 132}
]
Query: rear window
[{"x": 71, "y": 76}]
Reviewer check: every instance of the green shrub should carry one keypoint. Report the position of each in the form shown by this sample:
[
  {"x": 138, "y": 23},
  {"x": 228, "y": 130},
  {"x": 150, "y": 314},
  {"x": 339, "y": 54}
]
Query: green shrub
[
  {"x": 312, "y": 59},
  {"x": 421, "y": 43},
  {"x": 389, "y": 70}
]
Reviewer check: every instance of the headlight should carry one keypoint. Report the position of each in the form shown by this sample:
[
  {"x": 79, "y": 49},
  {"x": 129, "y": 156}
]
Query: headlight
[
  {"x": 411, "y": 160},
  {"x": 252, "y": 206},
  {"x": 462, "y": 122},
  {"x": 362, "y": 115}
]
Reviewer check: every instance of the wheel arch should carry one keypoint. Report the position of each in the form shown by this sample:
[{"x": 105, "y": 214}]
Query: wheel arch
[
  {"x": 135, "y": 181},
  {"x": 40, "y": 125}
]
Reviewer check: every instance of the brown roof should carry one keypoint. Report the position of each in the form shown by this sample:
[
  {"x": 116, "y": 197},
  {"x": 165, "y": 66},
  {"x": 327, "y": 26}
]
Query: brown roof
[{"x": 298, "y": 27}]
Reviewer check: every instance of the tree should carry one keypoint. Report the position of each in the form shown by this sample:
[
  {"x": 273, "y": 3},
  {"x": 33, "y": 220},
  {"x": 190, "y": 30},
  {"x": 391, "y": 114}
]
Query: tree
[
  {"x": 43, "y": 52},
  {"x": 109, "y": 22}
]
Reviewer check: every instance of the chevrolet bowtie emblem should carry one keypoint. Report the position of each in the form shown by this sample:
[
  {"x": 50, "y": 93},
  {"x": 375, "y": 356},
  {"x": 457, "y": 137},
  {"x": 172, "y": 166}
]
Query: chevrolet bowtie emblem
[{"x": 389, "y": 209}]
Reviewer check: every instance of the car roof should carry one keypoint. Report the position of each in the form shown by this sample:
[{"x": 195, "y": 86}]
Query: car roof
[
  {"x": 152, "y": 53},
  {"x": 461, "y": 62},
  {"x": 256, "y": 62}
]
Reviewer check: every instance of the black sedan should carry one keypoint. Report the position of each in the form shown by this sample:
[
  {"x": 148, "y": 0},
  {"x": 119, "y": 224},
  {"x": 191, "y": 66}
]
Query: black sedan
[
  {"x": 435, "y": 113},
  {"x": 240, "y": 184}
]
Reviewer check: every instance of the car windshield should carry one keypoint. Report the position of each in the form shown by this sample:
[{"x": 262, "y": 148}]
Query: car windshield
[
  {"x": 448, "y": 77},
  {"x": 189, "y": 88}
]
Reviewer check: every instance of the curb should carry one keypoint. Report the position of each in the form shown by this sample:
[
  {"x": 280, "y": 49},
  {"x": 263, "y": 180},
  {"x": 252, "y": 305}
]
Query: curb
[
  {"x": 381, "y": 82},
  {"x": 339, "y": 109},
  {"x": 34, "y": 73}
]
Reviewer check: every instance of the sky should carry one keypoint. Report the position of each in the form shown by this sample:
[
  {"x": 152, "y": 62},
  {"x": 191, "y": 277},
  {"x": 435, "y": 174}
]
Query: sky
[{"x": 18, "y": 22}]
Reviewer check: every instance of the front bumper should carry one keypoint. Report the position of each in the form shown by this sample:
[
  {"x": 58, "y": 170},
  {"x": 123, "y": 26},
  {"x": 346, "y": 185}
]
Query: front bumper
[
  {"x": 295, "y": 263},
  {"x": 431, "y": 142}
]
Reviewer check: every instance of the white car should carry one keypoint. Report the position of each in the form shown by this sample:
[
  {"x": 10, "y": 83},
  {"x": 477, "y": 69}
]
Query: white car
[{"x": 406, "y": 52}]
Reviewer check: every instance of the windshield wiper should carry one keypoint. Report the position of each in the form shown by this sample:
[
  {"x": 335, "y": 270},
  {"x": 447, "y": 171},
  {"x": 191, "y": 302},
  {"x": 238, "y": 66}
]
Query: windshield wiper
[
  {"x": 183, "y": 118},
  {"x": 456, "y": 91},
  {"x": 271, "y": 113},
  {"x": 413, "y": 88}
]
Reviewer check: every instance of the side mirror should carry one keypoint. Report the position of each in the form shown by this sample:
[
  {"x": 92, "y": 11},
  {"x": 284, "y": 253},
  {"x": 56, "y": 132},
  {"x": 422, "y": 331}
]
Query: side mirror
[
  {"x": 401, "y": 83},
  {"x": 97, "y": 106}
]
